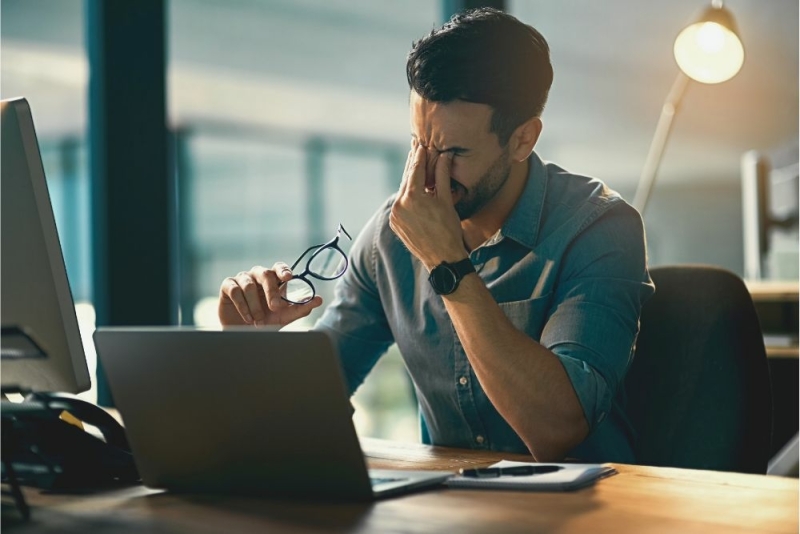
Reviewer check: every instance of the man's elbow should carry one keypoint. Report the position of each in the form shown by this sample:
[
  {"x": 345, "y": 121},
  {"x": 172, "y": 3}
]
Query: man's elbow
[{"x": 562, "y": 437}]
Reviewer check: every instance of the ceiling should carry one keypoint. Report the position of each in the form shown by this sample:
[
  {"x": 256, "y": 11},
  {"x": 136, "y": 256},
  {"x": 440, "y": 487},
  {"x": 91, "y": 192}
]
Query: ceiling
[{"x": 337, "y": 67}]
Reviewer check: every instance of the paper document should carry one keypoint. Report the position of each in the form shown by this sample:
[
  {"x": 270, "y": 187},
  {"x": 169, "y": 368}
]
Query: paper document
[{"x": 567, "y": 477}]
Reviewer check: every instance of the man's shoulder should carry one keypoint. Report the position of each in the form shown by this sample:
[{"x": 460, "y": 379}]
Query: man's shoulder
[
  {"x": 381, "y": 217},
  {"x": 387, "y": 204},
  {"x": 377, "y": 233},
  {"x": 567, "y": 189},
  {"x": 574, "y": 201}
]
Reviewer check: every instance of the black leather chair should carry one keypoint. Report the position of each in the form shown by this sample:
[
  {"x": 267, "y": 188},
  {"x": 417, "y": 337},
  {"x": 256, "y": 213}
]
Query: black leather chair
[{"x": 698, "y": 388}]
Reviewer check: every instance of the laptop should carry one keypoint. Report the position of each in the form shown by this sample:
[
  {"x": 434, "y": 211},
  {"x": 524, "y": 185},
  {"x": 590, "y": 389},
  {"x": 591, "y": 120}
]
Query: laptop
[{"x": 246, "y": 411}]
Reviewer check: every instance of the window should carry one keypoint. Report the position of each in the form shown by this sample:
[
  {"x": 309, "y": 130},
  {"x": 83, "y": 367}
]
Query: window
[
  {"x": 290, "y": 117},
  {"x": 44, "y": 60}
]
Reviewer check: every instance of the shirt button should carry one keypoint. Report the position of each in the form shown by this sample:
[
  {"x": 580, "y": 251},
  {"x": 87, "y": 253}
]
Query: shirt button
[
  {"x": 463, "y": 380},
  {"x": 480, "y": 439}
]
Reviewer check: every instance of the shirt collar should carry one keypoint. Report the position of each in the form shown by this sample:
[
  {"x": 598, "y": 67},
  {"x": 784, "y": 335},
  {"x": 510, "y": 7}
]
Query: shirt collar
[{"x": 522, "y": 225}]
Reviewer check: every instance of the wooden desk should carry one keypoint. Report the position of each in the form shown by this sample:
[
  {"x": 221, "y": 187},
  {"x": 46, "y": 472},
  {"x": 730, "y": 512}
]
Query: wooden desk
[{"x": 638, "y": 499}]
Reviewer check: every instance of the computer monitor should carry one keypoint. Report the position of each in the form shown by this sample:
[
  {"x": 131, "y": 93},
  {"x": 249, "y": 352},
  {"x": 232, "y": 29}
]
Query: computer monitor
[
  {"x": 35, "y": 293},
  {"x": 770, "y": 206}
]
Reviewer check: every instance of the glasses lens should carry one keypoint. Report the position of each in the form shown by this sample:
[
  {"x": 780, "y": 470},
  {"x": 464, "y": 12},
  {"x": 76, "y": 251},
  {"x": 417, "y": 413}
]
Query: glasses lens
[
  {"x": 298, "y": 291},
  {"x": 328, "y": 264}
]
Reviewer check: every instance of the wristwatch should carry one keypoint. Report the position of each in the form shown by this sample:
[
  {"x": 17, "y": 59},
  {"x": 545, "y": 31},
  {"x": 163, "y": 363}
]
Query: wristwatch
[{"x": 445, "y": 277}]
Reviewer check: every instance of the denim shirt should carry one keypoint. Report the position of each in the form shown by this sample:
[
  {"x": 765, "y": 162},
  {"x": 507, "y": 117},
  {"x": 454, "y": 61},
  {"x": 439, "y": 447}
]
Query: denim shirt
[{"x": 568, "y": 268}]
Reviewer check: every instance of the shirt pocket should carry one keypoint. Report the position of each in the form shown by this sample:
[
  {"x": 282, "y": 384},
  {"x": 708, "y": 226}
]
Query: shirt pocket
[{"x": 529, "y": 315}]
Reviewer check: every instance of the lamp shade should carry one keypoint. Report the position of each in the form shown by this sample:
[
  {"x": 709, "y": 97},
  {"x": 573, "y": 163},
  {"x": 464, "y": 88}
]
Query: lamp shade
[{"x": 710, "y": 51}]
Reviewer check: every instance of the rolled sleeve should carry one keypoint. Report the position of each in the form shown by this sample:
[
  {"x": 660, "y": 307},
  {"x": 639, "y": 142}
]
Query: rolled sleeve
[{"x": 595, "y": 318}]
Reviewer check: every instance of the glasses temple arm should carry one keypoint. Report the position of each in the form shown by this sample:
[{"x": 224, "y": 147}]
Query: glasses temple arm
[{"x": 303, "y": 255}]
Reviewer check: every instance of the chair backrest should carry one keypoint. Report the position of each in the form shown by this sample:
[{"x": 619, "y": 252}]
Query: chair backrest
[{"x": 698, "y": 389}]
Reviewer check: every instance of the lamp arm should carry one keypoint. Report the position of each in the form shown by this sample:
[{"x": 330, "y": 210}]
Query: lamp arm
[{"x": 659, "y": 142}]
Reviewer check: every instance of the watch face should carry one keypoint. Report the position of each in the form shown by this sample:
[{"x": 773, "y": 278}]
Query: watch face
[{"x": 443, "y": 279}]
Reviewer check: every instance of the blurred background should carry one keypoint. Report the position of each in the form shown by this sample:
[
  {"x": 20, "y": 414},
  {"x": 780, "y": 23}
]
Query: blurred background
[{"x": 287, "y": 117}]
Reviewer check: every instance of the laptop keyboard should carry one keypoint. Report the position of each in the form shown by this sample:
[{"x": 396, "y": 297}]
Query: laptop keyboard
[{"x": 377, "y": 480}]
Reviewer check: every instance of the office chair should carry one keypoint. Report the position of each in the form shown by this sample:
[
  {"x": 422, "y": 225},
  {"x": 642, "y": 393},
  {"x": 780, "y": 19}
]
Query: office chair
[{"x": 698, "y": 389}]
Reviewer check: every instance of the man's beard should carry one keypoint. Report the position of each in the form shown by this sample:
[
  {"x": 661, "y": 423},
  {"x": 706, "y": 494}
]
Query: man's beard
[{"x": 485, "y": 190}]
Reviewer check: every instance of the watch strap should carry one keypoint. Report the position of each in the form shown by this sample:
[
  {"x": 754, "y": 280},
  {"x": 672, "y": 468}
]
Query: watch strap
[{"x": 462, "y": 268}]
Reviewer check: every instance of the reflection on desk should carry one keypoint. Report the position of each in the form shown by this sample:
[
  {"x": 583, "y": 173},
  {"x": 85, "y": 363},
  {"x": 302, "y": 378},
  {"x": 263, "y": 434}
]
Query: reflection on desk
[{"x": 639, "y": 499}]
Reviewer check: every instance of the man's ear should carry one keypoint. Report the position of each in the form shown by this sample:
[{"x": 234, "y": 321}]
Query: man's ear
[{"x": 524, "y": 139}]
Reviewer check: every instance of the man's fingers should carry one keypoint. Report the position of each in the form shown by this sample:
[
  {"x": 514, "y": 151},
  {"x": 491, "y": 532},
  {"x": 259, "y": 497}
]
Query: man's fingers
[
  {"x": 442, "y": 175},
  {"x": 415, "y": 177},
  {"x": 283, "y": 271},
  {"x": 430, "y": 171},
  {"x": 296, "y": 311},
  {"x": 412, "y": 156},
  {"x": 231, "y": 290},
  {"x": 409, "y": 159},
  {"x": 256, "y": 296},
  {"x": 284, "y": 274},
  {"x": 249, "y": 305},
  {"x": 270, "y": 285}
]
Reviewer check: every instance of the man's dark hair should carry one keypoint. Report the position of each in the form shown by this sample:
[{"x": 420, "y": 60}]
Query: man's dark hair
[{"x": 488, "y": 57}]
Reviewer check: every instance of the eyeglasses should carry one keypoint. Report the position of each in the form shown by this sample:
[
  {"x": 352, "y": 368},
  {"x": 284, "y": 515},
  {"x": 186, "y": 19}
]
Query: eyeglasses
[{"x": 326, "y": 262}]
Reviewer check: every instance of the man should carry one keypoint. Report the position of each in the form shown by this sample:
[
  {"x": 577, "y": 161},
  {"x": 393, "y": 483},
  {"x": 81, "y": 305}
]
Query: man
[{"x": 511, "y": 287}]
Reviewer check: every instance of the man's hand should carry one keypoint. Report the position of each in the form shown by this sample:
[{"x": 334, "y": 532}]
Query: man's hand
[
  {"x": 423, "y": 216},
  {"x": 254, "y": 298}
]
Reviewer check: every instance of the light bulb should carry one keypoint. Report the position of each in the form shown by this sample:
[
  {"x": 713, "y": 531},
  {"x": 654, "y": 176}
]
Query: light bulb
[
  {"x": 709, "y": 52},
  {"x": 710, "y": 37}
]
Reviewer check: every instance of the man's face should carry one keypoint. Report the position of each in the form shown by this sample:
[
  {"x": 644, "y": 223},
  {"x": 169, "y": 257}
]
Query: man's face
[{"x": 480, "y": 165}]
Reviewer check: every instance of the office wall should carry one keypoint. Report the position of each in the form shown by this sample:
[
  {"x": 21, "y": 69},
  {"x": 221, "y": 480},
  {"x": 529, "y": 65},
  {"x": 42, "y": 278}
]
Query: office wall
[{"x": 696, "y": 223}]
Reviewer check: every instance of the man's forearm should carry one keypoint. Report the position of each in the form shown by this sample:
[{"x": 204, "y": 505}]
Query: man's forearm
[{"x": 525, "y": 382}]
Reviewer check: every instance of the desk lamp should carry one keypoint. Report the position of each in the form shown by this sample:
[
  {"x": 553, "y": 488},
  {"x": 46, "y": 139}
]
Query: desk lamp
[{"x": 707, "y": 51}]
